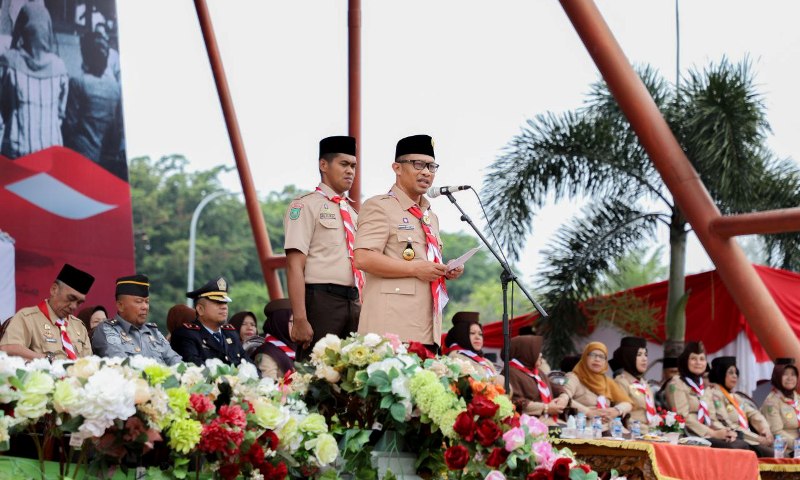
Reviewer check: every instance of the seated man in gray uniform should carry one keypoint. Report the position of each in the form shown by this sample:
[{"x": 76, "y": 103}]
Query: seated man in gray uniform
[{"x": 128, "y": 333}]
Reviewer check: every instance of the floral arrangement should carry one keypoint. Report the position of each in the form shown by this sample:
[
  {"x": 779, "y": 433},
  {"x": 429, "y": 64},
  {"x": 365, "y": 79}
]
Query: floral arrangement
[
  {"x": 353, "y": 395},
  {"x": 667, "y": 421}
]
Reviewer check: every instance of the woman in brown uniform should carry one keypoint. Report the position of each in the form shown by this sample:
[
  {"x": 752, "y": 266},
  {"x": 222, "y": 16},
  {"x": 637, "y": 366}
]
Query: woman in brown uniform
[
  {"x": 781, "y": 408},
  {"x": 274, "y": 353},
  {"x": 690, "y": 397},
  {"x": 591, "y": 391},
  {"x": 465, "y": 341},
  {"x": 632, "y": 357},
  {"x": 734, "y": 411},
  {"x": 532, "y": 392}
]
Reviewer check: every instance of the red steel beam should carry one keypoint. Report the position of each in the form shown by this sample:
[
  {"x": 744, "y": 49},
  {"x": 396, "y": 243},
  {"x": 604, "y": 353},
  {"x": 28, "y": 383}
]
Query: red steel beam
[
  {"x": 354, "y": 89},
  {"x": 735, "y": 270},
  {"x": 762, "y": 223},
  {"x": 259, "y": 227}
]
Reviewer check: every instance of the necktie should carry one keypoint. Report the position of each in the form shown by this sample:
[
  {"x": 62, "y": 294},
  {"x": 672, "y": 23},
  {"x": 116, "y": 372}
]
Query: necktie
[
  {"x": 69, "y": 349},
  {"x": 218, "y": 336},
  {"x": 349, "y": 236},
  {"x": 650, "y": 407},
  {"x": 438, "y": 288},
  {"x": 703, "y": 414}
]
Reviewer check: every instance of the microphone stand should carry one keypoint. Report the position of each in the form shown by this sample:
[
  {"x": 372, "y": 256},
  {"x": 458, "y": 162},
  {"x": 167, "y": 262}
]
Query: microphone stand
[{"x": 506, "y": 277}]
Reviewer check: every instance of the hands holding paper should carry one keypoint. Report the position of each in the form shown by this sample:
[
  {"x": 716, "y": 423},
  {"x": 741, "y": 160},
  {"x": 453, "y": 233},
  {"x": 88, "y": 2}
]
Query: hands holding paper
[{"x": 455, "y": 267}]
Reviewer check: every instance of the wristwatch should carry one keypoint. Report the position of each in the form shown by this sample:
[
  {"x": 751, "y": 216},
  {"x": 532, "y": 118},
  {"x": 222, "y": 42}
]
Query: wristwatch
[{"x": 50, "y": 356}]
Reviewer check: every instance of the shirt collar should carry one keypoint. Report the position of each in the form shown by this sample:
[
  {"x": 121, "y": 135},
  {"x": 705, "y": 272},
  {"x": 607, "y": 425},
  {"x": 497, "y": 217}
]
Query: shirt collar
[
  {"x": 327, "y": 190},
  {"x": 123, "y": 323},
  {"x": 405, "y": 200}
]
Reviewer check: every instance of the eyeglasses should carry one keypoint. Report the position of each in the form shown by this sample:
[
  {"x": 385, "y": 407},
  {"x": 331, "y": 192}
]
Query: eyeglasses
[
  {"x": 598, "y": 356},
  {"x": 420, "y": 164}
]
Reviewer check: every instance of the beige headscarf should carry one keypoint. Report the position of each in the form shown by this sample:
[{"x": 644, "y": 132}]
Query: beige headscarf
[{"x": 599, "y": 383}]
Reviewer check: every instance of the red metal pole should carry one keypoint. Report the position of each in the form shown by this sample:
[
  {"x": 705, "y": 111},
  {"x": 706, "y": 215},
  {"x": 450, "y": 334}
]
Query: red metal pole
[
  {"x": 772, "y": 221},
  {"x": 268, "y": 262},
  {"x": 354, "y": 89},
  {"x": 739, "y": 276}
]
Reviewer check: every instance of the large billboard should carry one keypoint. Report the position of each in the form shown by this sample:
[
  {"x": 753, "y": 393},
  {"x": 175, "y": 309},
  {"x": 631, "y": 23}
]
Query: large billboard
[{"x": 63, "y": 172}]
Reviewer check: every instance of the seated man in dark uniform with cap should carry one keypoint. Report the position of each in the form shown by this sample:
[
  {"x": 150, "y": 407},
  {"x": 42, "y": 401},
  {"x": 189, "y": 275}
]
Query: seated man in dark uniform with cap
[
  {"x": 209, "y": 336},
  {"x": 49, "y": 330},
  {"x": 128, "y": 333}
]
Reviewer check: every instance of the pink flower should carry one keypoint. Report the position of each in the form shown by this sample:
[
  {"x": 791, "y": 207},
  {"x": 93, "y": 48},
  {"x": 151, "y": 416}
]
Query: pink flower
[
  {"x": 514, "y": 438},
  {"x": 544, "y": 454},
  {"x": 394, "y": 340},
  {"x": 535, "y": 426},
  {"x": 495, "y": 475}
]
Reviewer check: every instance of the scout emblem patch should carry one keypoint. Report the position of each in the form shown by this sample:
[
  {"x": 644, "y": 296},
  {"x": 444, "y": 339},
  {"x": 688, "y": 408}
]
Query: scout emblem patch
[
  {"x": 408, "y": 252},
  {"x": 294, "y": 210}
]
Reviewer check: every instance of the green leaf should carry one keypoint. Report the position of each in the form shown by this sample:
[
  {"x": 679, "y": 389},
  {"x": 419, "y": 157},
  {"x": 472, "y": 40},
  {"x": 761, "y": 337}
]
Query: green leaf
[
  {"x": 387, "y": 401},
  {"x": 398, "y": 412}
]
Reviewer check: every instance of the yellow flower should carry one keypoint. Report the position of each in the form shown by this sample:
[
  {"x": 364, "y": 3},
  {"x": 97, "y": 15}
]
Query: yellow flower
[
  {"x": 314, "y": 423},
  {"x": 267, "y": 414},
  {"x": 37, "y": 383},
  {"x": 65, "y": 395},
  {"x": 325, "y": 449},
  {"x": 184, "y": 435},
  {"x": 359, "y": 355}
]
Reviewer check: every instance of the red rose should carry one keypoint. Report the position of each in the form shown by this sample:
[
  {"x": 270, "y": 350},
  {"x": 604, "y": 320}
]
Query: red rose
[
  {"x": 254, "y": 456},
  {"x": 273, "y": 472},
  {"x": 497, "y": 457},
  {"x": 465, "y": 426},
  {"x": 487, "y": 432},
  {"x": 232, "y": 415},
  {"x": 539, "y": 475},
  {"x": 512, "y": 421},
  {"x": 229, "y": 471},
  {"x": 483, "y": 407},
  {"x": 200, "y": 403},
  {"x": 270, "y": 440},
  {"x": 561, "y": 469},
  {"x": 456, "y": 457},
  {"x": 420, "y": 350}
]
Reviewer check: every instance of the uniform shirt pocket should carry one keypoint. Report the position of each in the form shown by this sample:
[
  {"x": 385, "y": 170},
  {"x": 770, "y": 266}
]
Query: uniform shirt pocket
[
  {"x": 330, "y": 233},
  {"x": 398, "y": 286}
]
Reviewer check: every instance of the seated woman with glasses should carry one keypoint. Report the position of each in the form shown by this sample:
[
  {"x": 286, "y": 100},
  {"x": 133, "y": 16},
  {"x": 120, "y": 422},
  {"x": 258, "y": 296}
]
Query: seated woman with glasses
[
  {"x": 274, "y": 353},
  {"x": 734, "y": 410},
  {"x": 689, "y": 396},
  {"x": 465, "y": 341},
  {"x": 781, "y": 408},
  {"x": 591, "y": 391},
  {"x": 632, "y": 357},
  {"x": 532, "y": 392}
]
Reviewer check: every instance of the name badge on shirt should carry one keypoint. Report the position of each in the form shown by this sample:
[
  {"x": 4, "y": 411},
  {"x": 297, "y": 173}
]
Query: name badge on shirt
[
  {"x": 49, "y": 340},
  {"x": 405, "y": 226}
]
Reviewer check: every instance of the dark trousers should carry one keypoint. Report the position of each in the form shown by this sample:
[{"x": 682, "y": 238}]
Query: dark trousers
[{"x": 329, "y": 313}]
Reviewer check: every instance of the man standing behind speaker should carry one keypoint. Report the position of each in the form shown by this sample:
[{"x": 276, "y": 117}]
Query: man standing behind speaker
[
  {"x": 324, "y": 284},
  {"x": 399, "y": 247}
]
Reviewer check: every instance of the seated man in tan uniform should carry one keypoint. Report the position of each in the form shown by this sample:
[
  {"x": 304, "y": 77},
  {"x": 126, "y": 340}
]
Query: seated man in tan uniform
[
  {"x": 399, "y": 247},
  {"x": 49, "y": 330},
  {"x": 324, "y": 285}
]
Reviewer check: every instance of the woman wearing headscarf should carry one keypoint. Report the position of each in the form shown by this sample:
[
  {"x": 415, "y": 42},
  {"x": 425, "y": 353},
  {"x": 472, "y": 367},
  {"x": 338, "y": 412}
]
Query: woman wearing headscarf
[
  {"x": 33, "y": 85},
  {"x": 93, "y": 316},
  {"x": 245, "y": 324},
  {"x": 632, "y": 358},
  {"x": 532, "y": 392},
  {"x": 689, "y": 396},
  {"x": 591, "y": 391},
  {"x": 781, "y": 408},
  {"x": 274, "y": 353},
  {"x": 465, "y": 340},
  {"x": 735, "y": 411}
]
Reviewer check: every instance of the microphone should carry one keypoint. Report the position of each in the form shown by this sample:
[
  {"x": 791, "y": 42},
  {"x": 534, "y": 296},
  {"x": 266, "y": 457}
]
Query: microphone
[{"x": 434, "y": 192}]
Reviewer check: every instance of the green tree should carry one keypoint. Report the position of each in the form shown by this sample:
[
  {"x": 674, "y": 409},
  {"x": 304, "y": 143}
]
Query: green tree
[{"x": 718, "y": 118}]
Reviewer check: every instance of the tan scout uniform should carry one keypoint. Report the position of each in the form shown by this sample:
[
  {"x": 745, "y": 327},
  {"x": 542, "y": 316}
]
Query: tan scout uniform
[
  {"x": 30, "y": 328},
  {"x": 583, "y": 399},
  {"x": 313, "y": 226},
  {"x": 726, "y": 414},
  {"x": 403, "y": 306},
  {"x": 781, "y": 417},
  {"x": 639, "y": 412},
  {"x": 685, "y": 403}
]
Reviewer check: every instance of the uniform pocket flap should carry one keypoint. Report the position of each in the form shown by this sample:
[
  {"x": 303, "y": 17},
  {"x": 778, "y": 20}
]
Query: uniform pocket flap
[{"x": 400, "y": 286}]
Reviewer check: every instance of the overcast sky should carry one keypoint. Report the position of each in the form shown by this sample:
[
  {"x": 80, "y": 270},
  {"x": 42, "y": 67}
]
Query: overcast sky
[{"x": 467, "y": 72}]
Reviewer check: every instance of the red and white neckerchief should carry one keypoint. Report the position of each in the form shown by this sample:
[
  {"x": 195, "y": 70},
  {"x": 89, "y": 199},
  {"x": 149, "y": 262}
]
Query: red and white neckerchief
[
  {"x": 702, "y": 412},
  {"x": 602, "y": 402},
  {"x": 349, "y": 236},
  {"x": 792, "y": 403},
  {"x": 544, "y": 390},
  {"x": 438, "y": 288},
  {"x": 486, "y": 364},
  {"x": 739, "y": 412},
  {"x": 282, "y": 346},
  {"x": 69, "y": 349},
  {"x": 650, "y": 406}
]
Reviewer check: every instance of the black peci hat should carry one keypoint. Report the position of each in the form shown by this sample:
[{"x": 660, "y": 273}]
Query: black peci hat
[
  {"x": 784, "y": 361},
  {"x": 337, "y": 144},
  {"x": 74, "y": 278},
  {"x": 419, "y": 144},
  {"x": 135, "y": 285}
]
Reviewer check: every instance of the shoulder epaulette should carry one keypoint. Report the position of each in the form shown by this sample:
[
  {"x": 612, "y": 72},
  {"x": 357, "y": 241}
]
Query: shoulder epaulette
[
  {"x": 111, "y": 321},
  {"x": 191, "y": 326},
  {"x": 152, "y": 324},
  {"x": 29, "y": 311},
  {"x": 228, "y": 326}
]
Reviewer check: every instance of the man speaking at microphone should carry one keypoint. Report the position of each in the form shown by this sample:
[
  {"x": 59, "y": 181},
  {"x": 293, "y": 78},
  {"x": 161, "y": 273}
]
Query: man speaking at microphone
[{"x": 399, "y": 247}]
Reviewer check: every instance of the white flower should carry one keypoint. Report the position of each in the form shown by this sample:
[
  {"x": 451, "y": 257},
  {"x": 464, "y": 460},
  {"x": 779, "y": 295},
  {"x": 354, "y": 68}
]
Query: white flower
[
  {"x": 385, "y": 366},
  {"x": 400, "y": 387},
  {"x": 10, "y": 364},
  {"x": 372, "y": 340},
  {"x": 247, "y": 371},
  {"x": 139, "y": 362},
  {"x": 37, "y": 382},
  {"x": 8, "y": 393},
  {"x": 84, "y": 367},
  {"x": 108, "y": 396},
  {"x": 192, "y": 376},
  {"x": 328, "y": 373},
  {"x": 31, "y": 406},
  {"x": 67, "y": 394},
  {"x": 329, "y": 341},
  {"x": 212, "y": 364},
  {"x": 42, "y": 364},
  {"x": 58, "y": 368}
]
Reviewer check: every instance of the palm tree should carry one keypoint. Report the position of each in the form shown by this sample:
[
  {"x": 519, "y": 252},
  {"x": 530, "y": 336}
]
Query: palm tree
[{"x": 592, "y": 153}]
